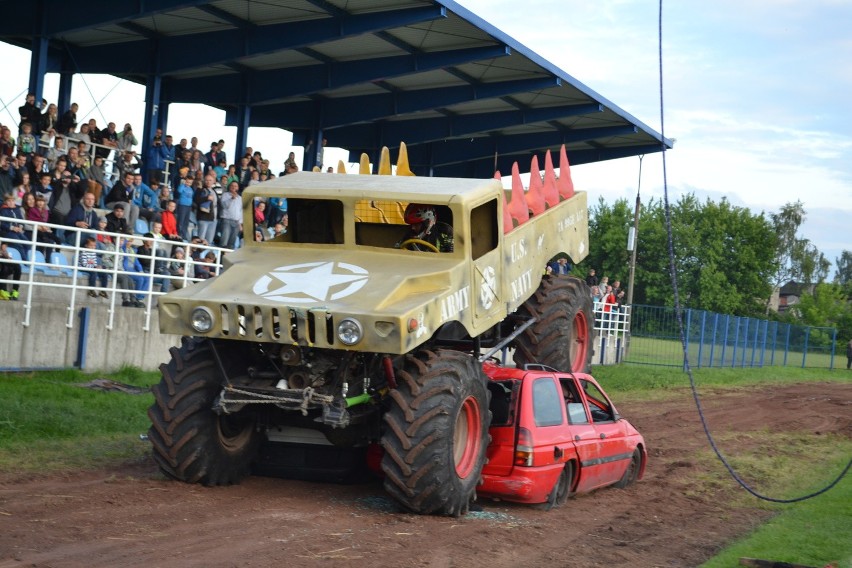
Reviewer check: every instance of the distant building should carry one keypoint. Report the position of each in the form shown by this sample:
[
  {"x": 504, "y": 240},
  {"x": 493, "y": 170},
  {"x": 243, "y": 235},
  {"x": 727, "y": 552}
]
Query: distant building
[{"x": 789, "y": 295}]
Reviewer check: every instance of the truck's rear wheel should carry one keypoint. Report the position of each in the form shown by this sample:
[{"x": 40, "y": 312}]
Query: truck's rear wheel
[
  {"x": 191, "y": 442},
  {"x": 561, "y": 336},
  {"x": 437, "y": 432}
]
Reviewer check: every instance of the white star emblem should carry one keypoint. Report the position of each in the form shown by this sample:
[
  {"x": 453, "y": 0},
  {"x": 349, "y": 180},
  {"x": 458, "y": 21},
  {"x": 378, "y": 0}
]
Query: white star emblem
[{"x": 311, "y": 282}]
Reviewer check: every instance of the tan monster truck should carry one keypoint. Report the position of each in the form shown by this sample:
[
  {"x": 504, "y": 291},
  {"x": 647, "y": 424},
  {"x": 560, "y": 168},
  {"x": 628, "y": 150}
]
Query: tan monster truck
[{"x": 337, "y": 333}]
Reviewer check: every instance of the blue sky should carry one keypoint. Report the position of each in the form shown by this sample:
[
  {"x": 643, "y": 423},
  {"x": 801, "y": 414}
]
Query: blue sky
[{"x": 757, "y": 96}]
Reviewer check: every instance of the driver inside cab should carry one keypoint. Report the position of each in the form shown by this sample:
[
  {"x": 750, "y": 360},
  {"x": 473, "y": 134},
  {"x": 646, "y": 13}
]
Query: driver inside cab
[{"x": 425, "y": 232}]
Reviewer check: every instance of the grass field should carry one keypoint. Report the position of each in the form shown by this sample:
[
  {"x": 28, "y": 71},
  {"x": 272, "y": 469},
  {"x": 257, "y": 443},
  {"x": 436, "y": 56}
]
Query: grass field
[
  {"x": 669, "y": 352},
  {"x": 49, "y": 423}
]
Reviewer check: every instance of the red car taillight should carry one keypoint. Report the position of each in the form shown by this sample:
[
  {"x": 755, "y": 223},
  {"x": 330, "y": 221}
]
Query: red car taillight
[{"x": 524, "y": 448}]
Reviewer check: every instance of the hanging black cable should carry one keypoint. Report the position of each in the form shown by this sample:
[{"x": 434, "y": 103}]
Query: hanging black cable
[{"x": 679, "y": 311}]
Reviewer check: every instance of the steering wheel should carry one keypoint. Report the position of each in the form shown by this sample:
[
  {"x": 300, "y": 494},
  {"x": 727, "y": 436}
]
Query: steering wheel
[{"x": 420, "y": 242}]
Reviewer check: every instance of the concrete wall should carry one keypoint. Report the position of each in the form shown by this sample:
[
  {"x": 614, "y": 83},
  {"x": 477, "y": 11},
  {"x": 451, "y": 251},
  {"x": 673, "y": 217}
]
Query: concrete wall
[{"x": 48, "y": 343}]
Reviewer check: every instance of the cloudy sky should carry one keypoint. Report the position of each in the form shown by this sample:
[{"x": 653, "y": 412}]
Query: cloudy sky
[{"x": 757, "y": 96}]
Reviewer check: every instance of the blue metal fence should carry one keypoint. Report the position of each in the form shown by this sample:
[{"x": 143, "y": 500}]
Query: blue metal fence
[{"x": 718, "y": 340}]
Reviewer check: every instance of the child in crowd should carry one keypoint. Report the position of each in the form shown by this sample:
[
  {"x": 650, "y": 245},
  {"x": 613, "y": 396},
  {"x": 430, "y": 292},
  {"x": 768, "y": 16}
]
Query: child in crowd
[
  {"x": 26, "y": 141},
  {"x": 90, "y": 261},
  {"x": 9, "y": 271}
]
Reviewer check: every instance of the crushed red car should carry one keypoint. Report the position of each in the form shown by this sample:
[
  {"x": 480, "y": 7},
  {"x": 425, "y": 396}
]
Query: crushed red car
[{"x": 553, "y": 435}]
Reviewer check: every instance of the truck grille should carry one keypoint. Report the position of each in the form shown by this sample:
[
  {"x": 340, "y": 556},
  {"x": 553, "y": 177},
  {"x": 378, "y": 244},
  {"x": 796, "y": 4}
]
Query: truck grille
[{"x": 278, "y": 325}]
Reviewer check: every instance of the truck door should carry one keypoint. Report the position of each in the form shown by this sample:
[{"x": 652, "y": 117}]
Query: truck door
[{"x": 486, "y": 265}]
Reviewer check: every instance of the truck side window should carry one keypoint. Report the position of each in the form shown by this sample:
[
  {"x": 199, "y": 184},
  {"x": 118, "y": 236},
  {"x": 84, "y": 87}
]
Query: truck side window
[{"x": 547, "y": 402}]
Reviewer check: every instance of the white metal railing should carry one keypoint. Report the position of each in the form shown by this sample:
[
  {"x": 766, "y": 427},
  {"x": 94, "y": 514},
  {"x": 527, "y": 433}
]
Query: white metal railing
[
  {"x": 40, "y": 272},
  {"x": 611, "y": 319}
]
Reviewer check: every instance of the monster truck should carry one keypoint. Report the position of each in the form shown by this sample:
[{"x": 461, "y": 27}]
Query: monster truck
[{"x": 338, "y": 334}]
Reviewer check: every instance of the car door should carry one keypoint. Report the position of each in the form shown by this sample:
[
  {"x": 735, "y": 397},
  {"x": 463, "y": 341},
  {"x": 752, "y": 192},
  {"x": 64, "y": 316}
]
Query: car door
[
  {"x": 588, "y": 443},
  {"x": 544, "y": 416},
  {"x": 614, "y": 451}
]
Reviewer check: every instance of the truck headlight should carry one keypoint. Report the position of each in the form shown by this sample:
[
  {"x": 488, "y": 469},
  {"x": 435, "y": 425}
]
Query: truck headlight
[
  {"x": 201, "y": 320},
  {"x": 349, "y": 331}
]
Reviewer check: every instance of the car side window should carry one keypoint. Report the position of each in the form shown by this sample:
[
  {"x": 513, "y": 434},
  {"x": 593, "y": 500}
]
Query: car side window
[
  {"x": 547, "y": 402},
  {"x": 573, "y": 402},
  {"x": 599, "y": 407}
]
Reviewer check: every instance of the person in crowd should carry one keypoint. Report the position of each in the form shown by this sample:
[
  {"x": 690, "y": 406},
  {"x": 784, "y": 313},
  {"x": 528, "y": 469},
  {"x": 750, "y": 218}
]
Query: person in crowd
[
  {"x": 146, "y": 199},
  {"x": 48, "y": 123},
  {"x": 66, "y": 192},
  {"x": 27, "y": 200},
  {"x": 83, "y": 217},
  {"x": 230, "y": 215},
  {"x": 131, "y": 264},
  {"x": 169, "y": 222},
  {"x": 41, "y": 214},
  {"x": 243, "y": 173},
  {"x": 290, "y": 165},
  {"x": 259, "y": 215},
  {"x": 206, "y": 208},
  {"x": 183, "y": 196},
  {"x": 98, "y": 181},
  {"x": 27, "y": 143},
  {"x": 108, "y": 256},
  {"x": 90, "y": 261},
  {"x": 125, "y": 140},
  {"x": 146, "y": 252},
  {"x": 116, "y": 222},
  {"x": 609, "y": 303},
  {"x": 560, "y": 267},
  {"x": 11, "y": 226},
  {"x": 157, "y": 156},
  {"x": 122, "y": 192},
  {"x": 178, "y": 268},
  {"x": 37, "y": 166},
  {"x": 849, "y": 355},
  {"x": 206, "y": 266},
  {"x": 7, "y": 142},
  {"x": 24, "y": 189},
  {"x": 7, "y": 180},
  {"x": 108, "y": 140},
  {"x": 423, "y": 225},
  {"x": 592, "y": 279},
  {"x": 55, "y": 152},
  {"x": 9, "y": 271},
  {"x": 279, "y": 229},
  {"x": 68, "y": 122},
  {"x": 30, "y": 113}
]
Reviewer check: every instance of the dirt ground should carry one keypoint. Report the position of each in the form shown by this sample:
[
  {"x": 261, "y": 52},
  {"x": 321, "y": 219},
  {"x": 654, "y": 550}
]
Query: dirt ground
[{"x": 132, "y": 516}]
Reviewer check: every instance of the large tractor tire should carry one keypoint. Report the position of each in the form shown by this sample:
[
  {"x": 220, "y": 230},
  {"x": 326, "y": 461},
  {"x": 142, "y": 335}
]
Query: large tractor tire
[
  {"x": 436, "y": 432},
  {"x": 562, "y": 335},
  {"x": 191, "y": 442}
]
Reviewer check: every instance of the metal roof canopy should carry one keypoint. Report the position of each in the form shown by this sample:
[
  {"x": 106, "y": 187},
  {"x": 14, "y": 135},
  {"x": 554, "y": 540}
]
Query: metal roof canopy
[{"x": 463, "y": 96}]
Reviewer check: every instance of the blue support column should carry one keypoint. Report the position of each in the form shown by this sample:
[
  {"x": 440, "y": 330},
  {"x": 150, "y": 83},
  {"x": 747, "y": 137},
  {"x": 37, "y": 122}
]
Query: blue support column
[
  {"x": 66, "y": 81},
  {"x": 152, "y": 115},
  {"x": 38, "y": 67},
  {"x": 243, "y": 122}
]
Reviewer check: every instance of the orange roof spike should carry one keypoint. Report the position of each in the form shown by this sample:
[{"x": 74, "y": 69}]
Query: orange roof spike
[
  {"x": 564, "y": 183},
  {"x": 341, "y": 167},
  {"x": 364, "y": 165},
  {"x": 535, "y": 195},
  {"x": 507, "y": 218},
  {"x": 497, "y": 175},
  {"x": 551, "y": 193},
  {"x": 402, "y": 168},
  {"x": 518, "y": 209},
  {"x": 384, "y": 162}
]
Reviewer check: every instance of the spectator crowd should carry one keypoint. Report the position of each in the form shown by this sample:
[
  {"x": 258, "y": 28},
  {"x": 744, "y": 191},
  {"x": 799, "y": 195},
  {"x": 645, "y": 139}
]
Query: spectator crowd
[{"x": 78, "y": 175}]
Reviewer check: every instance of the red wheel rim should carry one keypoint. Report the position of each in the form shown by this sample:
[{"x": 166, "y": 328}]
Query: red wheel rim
[
  {"x": 580, "y": 343},
  {"x": 467, "y": 437}
]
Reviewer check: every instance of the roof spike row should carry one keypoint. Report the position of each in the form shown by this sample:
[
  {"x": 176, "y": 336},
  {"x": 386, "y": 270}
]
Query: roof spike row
[
  {"x": 551, "y": 193},
  {"x": 535, "y": 195},
  {"x": 384, "y": 162},
  {"x": 564, "y": 183},
  {"x": 518, "y": 209},
  {"x": 364, "y": 165},
  {"x": 402, "y": 168}
]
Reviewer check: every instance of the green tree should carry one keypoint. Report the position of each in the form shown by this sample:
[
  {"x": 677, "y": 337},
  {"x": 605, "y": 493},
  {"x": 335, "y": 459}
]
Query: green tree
[
  {"x": 843, "y": 276},
  {"x": 608, "y": 229},
  {"x": 827, "y": 306}
]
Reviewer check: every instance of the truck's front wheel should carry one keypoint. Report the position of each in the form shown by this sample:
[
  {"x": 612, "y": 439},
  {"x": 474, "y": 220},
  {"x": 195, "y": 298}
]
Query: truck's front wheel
[
  {"x": 191, "y": 442},
  {"x": 437, "y": 432},
  {"x": 561, "y": 336}
]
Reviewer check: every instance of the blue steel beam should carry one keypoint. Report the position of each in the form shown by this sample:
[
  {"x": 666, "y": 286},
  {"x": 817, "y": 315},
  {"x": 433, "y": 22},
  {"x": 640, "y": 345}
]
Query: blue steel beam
[
  {"x": 300, "y": 81},
  {"x": 484, "y": 167},
  {"x": 428, "y": 129},
  {"x": 343, "y": 111},
  {"x": 480, "y": 148},
  {"x": 226, "y": 45},
  {"x": 65, "y": 17}
]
